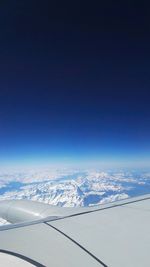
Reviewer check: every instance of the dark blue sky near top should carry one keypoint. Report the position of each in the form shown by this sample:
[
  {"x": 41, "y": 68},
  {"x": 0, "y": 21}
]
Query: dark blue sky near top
[{"x": 74, "y": 81}]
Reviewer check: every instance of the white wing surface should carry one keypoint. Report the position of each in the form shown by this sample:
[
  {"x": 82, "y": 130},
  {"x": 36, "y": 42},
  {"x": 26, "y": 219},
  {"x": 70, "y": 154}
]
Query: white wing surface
[{"x": 114, "y": 235}]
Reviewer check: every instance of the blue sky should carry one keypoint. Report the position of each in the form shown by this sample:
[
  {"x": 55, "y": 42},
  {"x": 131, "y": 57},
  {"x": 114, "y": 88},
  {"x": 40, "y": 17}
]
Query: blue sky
[{"x": 74, "y": 85}]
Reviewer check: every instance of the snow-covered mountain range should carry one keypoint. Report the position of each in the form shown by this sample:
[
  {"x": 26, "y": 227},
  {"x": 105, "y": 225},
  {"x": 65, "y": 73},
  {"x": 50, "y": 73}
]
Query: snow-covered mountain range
[{"x": 71, "y": 188}]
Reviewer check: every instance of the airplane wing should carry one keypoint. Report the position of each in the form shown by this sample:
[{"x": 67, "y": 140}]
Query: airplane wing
[{"x": 112, "y": 235}]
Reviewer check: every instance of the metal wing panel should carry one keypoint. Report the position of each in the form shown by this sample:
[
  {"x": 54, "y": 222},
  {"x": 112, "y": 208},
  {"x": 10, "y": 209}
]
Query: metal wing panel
[
  {"x": 114, "y": 235},
  {"x": 6, "y": 259},
  {"x": 119, "y": 236},
  {"x": 46, "y": 246}
]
